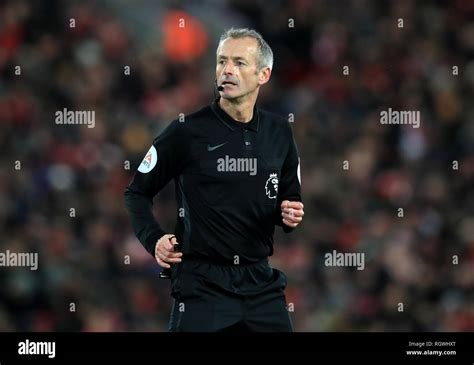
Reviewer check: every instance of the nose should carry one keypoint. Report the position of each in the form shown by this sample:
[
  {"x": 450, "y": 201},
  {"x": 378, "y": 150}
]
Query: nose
[{"x": 228, "y": 69}]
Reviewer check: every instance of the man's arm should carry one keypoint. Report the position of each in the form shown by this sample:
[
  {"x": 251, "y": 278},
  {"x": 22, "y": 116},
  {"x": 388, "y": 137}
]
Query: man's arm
[
  {"x": 164, "y": 160},
  {"x": 290, "y": 209}
]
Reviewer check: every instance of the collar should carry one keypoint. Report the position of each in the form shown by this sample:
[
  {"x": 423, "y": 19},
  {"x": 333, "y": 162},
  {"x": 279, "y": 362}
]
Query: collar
[{"x": 233, "y": 124}]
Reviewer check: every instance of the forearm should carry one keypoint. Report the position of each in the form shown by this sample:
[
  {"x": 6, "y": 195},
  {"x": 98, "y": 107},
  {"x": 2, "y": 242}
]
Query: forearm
[{"x": 145, "y": 226}]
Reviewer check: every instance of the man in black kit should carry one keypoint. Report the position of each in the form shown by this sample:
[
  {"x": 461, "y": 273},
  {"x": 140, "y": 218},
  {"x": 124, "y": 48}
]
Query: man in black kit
[{"x": 236, "y": 173}]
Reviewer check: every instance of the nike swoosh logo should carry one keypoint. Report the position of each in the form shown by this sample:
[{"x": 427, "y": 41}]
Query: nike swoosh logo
[{"x": 212, "y": 148}]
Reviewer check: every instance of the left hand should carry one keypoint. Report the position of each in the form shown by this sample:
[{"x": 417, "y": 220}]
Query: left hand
[{"x": 292, "y": 213}]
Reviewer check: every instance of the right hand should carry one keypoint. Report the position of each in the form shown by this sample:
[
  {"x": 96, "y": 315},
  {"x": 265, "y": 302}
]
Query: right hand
[{"x": 164, "y": 251}]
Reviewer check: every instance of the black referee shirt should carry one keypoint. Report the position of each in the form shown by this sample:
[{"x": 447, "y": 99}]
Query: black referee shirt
[{"x": 230, "y": 179}]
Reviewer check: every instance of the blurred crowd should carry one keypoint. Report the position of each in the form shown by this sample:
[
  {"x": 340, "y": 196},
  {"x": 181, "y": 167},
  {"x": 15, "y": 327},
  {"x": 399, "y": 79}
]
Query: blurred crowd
[{"x": 61, "y": 186}]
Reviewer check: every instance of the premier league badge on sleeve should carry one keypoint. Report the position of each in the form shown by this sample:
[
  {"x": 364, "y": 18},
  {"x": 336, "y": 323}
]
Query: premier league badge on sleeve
[
  {"x": 271, "y": 186},
  {"x": 149, "y": 161}
]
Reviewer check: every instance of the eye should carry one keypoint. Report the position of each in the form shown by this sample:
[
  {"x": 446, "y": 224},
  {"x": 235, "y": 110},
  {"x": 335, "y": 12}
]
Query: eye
[
  {"x": 220, "y": 62},
  {"x": 240, "y": 63}
]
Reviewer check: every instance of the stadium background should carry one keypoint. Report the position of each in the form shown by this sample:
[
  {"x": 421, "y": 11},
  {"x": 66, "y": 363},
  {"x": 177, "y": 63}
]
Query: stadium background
[{"x": 82, "y": 259}]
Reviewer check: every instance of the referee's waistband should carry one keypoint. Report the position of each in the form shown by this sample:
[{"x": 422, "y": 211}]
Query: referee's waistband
[{"x": 221, "y": 261}]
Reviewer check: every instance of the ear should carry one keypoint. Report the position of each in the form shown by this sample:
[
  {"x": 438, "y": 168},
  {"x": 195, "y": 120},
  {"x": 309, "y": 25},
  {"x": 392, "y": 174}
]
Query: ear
[{"x": 264, "y": 75}]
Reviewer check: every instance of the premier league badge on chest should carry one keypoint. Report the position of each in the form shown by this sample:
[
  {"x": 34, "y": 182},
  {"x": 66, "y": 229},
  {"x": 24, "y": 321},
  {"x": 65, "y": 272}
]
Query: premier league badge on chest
[{"x": 271, "y": 186}]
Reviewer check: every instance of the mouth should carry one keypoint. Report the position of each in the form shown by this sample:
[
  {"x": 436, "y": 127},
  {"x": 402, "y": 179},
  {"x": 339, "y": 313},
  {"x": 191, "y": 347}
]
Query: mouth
[{"x": 228, "y": 84}]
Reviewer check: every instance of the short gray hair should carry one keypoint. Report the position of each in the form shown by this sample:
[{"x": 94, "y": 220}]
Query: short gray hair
[{"x": 265, "y": 54}]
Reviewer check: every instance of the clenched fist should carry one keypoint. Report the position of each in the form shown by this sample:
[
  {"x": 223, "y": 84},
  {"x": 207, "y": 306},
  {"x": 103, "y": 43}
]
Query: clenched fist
[
  {"x": 292, "y": 213},
  {"x": 164, "y": 251}
]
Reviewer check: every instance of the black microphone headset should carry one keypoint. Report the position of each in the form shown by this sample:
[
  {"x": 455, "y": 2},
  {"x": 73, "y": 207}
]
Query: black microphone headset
[{"x": 218, "y": 88}]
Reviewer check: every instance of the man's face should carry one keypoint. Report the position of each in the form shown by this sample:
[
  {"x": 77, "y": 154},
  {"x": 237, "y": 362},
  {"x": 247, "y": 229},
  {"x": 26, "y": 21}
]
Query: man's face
[{"x": 237, "y": 69}]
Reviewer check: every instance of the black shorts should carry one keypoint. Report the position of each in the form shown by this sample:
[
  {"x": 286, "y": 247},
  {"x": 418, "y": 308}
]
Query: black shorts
[{"x": 211, "y": 298}]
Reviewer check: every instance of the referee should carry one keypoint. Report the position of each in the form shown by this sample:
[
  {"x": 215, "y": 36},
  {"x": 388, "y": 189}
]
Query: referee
[{"x": 237, "y": 175}]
